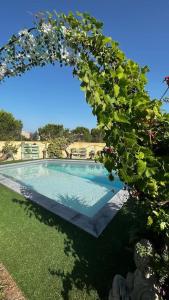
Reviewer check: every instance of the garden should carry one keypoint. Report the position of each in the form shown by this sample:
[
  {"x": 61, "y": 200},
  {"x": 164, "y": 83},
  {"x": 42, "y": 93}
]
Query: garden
[{"x": 42, "y": 250}]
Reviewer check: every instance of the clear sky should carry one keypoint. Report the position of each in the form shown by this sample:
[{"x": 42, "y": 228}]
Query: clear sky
[{"x": 51, "y": 94}]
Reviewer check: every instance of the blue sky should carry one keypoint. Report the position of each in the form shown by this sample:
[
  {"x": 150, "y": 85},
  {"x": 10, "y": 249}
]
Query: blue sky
[{"x": 51, "y": 94}]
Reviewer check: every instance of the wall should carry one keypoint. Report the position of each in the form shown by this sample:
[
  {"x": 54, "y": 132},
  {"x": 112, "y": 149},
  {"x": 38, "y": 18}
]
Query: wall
[
  {"x": 89, "y": 146},
  {"x": 18, "y": 155}
]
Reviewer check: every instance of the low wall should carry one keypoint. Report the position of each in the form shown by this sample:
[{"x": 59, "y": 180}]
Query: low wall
[{"x": 88, "y": 146}]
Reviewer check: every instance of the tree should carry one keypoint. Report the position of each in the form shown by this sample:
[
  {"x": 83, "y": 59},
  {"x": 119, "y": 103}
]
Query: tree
[
  {"x": 9, "y": 150},
  {"x": 51, "y": 131},
  {"x": 81, "y": 134},
  {"x": 34, "y": 136},
  {"x": 10, "y": 128},
  {"x": 57, "y": 146},
  {"x": 97, "y": 135}
]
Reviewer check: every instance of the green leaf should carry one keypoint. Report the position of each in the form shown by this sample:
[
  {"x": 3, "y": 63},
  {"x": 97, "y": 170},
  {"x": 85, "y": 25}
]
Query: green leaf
[
  {"x": 141, "y": 166},
  {"x": 96, "y": 97},
  {"x": 83, "y": 87},
  {"x": 120, "y": 72},
  {"x": 162, "y": 225},
  {"x": 155, "y": 213},
  {"x": 116, "y": 90},
  {"x": 139, "y": 155},
  {"x": 124, "y": 176},
  {"x": 86, "y": 79},
  {"x": 149, "y": 172},
  {"x": 149, "y": 221},
  {"x": 107, "y": 40},
  {"x": 119, "y": 117},
  {"x": 152, "y": 186}
]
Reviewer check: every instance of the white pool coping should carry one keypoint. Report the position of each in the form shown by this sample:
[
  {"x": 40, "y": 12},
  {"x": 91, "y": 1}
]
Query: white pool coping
[{"x": 94, "y": 225}]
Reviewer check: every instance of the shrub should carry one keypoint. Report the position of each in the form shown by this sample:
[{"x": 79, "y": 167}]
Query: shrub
[{"x": 57, "y": 146}]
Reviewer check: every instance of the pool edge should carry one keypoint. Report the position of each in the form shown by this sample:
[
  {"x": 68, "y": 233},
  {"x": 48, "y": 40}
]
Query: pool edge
[{"x": 93, "y": 226}]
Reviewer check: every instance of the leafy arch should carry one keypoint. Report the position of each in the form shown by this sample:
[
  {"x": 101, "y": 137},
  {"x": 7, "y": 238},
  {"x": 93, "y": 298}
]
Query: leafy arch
[{"x": 137, "y": 131}]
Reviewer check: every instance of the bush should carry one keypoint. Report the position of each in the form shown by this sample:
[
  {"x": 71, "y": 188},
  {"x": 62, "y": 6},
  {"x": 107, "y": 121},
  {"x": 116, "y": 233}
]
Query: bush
[
  {"x": 9, "y": 149},
  {"x": 57, "y": 146}
]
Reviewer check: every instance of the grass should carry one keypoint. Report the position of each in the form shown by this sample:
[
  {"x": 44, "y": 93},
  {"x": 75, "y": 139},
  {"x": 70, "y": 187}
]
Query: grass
[
  {"x": 1, "y": 293},
  {"x": 51, "y": 259}
]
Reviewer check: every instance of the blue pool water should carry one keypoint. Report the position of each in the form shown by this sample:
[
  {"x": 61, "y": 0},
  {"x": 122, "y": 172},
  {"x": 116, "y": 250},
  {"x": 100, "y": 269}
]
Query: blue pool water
[{"x": 84, "y": 187}]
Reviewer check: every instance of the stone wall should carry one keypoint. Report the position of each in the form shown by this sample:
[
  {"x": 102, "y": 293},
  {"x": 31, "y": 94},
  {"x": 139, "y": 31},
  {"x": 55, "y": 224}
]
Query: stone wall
[{"x": 89, "y": 146}]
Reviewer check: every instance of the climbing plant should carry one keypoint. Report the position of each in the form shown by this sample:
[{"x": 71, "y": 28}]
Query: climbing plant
[{"x": 136, "y": 128}]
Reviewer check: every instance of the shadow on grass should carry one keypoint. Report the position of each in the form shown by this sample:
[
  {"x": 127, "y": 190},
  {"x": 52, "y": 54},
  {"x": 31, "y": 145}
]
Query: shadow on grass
[{"x": 96, "y": 259}]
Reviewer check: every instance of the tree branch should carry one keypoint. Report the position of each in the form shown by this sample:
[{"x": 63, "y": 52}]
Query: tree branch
[{"x": 13, "y": 41}]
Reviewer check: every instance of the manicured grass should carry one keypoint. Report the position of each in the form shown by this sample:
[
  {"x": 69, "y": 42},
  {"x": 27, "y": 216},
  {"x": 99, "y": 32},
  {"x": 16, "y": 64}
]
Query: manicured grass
[
  {"x": 1, "y": 293},
  {"x": 50, "y": 259}
]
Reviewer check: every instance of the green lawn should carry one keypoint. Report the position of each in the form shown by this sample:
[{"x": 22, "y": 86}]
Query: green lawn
[{"x": 50, "y": 259}]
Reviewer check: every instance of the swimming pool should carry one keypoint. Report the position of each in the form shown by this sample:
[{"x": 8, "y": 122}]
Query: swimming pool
[{"x": 81, "y": 187}]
